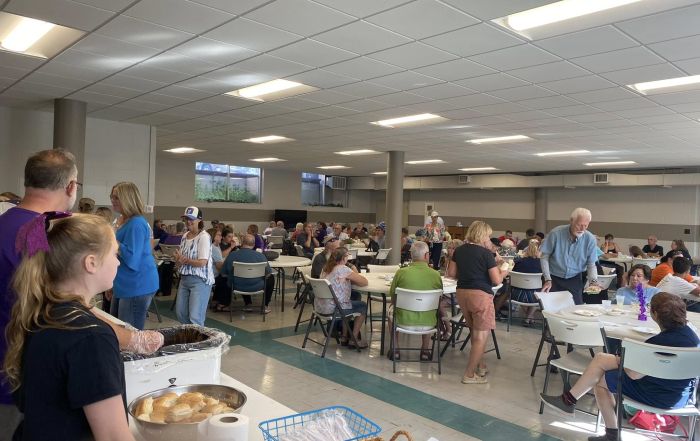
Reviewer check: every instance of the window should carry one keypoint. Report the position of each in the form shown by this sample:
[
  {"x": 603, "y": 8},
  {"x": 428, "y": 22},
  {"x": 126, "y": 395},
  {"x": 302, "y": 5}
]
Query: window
[
  {"x": 316, "y": 191},
  {"x": 226, "y": 183}
]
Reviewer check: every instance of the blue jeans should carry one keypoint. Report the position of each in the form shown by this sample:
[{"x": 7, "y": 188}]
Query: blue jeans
[
  {"x": 192, "y": 300},
  {"x": 435, "y": 255},
  {"x": 131, "y": 309}
]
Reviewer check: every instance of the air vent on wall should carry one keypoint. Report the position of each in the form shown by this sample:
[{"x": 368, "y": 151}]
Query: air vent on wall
[
  {"x": 600, "y": 178},
  {"x": 464, "y": 179},
  {"x": 336, "y": 182}
]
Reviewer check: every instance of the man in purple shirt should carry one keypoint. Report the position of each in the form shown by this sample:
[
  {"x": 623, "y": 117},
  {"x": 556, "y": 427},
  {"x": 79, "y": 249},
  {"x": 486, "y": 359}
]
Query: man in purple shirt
[{"x": 50, "y": 184}]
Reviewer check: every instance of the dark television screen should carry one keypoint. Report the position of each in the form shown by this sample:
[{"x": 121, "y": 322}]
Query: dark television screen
[{"x": 290, "y": 217}]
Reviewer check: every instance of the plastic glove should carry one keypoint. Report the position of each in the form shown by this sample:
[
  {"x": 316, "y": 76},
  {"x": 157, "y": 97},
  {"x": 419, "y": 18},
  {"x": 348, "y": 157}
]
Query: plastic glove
[{"x": 145, "y": 342}]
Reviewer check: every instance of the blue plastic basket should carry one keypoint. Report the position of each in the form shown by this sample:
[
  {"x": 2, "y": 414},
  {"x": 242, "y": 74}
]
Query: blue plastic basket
[{"x": 360, "y": 426}]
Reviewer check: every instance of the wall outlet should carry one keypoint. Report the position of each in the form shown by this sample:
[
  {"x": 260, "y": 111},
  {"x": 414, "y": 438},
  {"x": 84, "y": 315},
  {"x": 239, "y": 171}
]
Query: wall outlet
[
  {"x": 149, "y": 208},
  {"x": 686, "y": 231}
]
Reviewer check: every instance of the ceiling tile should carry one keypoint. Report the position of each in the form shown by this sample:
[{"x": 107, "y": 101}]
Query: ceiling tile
[
  {"x": 643, "y": 74},
  {"x": 313, "y": 53},
  {"x": 272, "y": 66},
  {"x": 12, "y": 73},
  {"x": 597, "y": 96},
  {"x": 361, "y": 8},
  {"x": 214, "y": 52},
  {"x": 365, "y": 105},
  {"x": 487, "y": 83},
  {"x": 469, "y": 101},
  {"x": 365, "y": 89},
  {"x": 401, "y": 98},
  {"x": 148, "y": 72},
  {"x": 129, "y": 82},
  {"x": 174, "y": 61},
  {"x": 143, "y": 33},
  {"x": 514, "y": 57},
  {"x": 179, "y": 14},
  {"x": 252, "y": 35},
  {"x": 442, "y": 91},
  {"x": 121, "y": 52},
  {"x": 361, "y": 37},
  {"x": 681, "y": 22},
  {"x": 19, "y": 61},
  {"x": 95, "y": 98},
  {"x": 491, "y": 9},
  {"x": 522, "y": 93},
  {"x": 69, "y": 70},
  {"x": 234, "y": 7},
  {"x": 678, "y": 49},
  {"x": 184, "y": 92},
  {"x": 94, "y": 61},
  {"x": 423, "y": 18},
  {"x": 322, "y": 79},
  {"x": 412, "y": 55},
  {"x": 473, "y": 40},
  {"x": 109, "y": 5},
  {"x": 62, "y": 12},
  {"x": 692, "y": 66},
  {"x": 115, "y": 91},
  {"x": 559, "y": 70},
  {"x": 549, "y": 102},
  {"x": 299, "y": 16},
  {"x": 363, "y": 68},
  {"x": 329, "y": 97},
  {"x": 405, "y": 80},
  {"x": 579, "y": 84},
  {"x": 588, "y": 42},
  {"x": 455, "y": 70},
  {"x": 617, "y": 60}
]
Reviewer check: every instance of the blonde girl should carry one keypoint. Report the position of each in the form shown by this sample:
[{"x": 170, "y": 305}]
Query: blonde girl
[{"x": 63, "y": 363}]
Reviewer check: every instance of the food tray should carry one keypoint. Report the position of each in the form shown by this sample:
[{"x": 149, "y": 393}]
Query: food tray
[{"x": 361, "y": 426}]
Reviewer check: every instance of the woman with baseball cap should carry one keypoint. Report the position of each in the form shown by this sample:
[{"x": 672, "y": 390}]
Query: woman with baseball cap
[{"x": 195, "y": 267}]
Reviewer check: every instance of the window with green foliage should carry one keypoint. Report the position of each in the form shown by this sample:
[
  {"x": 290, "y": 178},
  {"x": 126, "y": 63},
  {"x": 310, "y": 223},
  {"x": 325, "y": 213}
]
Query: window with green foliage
[
  {"x": 316, "y": 192},
  {"x": 226, "y": 183}
]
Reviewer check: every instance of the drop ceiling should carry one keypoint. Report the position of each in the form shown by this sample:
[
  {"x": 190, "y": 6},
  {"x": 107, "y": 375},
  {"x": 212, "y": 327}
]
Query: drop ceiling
[{"x": 167, "y": 63}]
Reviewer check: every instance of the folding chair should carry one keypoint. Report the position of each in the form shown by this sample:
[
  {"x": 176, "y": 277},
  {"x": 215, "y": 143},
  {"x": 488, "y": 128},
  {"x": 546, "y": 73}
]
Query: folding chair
[
  {"x": 665, "y": 362},
  {"x": 353, "y": 253},
  {"x": 382, "y": 255},
  {"x": 575, "y": 332},
  {"x": 416, "y": 301},
  {"x": 304, "y": 295},
  {"x": 382, "y": 269},
  {"x": 322, "y": 290},
  {"x": 381, "y": 298},
  {"x": 553, "y": 301},
  {"x": 651, "y": 262},
  {"x": 300, "y": 250},
  {"x": 275, "y": 241},
  {"x": 522, "y": 281},
  {"x": 249, "y": 271}
]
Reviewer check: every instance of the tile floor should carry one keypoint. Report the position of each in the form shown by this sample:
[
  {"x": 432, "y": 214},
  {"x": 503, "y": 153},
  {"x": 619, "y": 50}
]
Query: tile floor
[{"x": 268, "y": 357}]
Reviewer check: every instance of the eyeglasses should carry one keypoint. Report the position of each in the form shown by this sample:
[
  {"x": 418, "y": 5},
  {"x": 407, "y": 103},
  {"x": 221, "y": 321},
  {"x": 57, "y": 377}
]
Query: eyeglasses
[{"x": 77, "y": 184}]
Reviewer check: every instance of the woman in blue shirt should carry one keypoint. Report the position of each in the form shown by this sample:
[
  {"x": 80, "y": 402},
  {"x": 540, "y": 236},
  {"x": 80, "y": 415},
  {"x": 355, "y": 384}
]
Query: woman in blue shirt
[
  {"x": 668, "y": 311},
  {"x": 639, "y": 274},
  {"x": 530, "y": 263},
  {"x": 137, "y": 277}
]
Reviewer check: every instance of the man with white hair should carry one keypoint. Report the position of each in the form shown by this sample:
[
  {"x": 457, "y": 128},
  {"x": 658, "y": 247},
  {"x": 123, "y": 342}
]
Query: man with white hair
[
  {"x": 568, "y": 251},
  {"x": 419, "y": 276}
]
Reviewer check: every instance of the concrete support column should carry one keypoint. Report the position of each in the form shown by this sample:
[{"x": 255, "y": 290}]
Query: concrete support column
[
  {"x": 541, "y": 210},
  {"x": 394, "y": 205},
  {"x": 69, "y": 118}
]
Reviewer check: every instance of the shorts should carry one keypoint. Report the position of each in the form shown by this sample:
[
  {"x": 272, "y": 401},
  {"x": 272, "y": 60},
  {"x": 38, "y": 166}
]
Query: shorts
[
  {"x": 477, "y": 307},
  {"x": 635, "y": 391},
  {"x": 358, "y": 306}
]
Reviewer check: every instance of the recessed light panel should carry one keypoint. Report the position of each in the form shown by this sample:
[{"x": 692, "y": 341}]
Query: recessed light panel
[
  {"x": 268, "y": 160},
  {"x": 272, "y": 90},
  {"x": 182, "y": 150},
  {"x": 478, "y": 169},
  {"x": 609, "y": 163},
  {"x": 411, "y": 120},
  {"x": 425, "y": 161},
  {"x": 332, "y": 167},
  {"x": 270, "y": 139},
  {"x": 37, "y": 38},
  {"x": 358, "y": 152},
  {"x": 666, "y": 86},
  {"x": 563, "y": 153},
  {"x": 500, "y": 139}
]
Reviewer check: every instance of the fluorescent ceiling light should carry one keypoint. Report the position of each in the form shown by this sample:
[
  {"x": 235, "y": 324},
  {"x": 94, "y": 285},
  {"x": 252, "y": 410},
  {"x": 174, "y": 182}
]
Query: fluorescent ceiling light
[
  {"x": 184, "y": 150},
  {"x": 499, "y": 139},
  {"x": 666, "y": 86},
  {"x": 25, "y": 34},
  {"x": 333, "y": 167},
  {"x": 423, "y": 118},
  {"x": 563, "y": 153},
  {"x": 426, "y": 161},
  {"x": 478, "y": 169},
  {"x": 358, "y": 152},
  {"x": 379, "y": 173},
  {"x": 593, "y": 164},
  {"x": 559, "y": 11},
  {"x": 270, "y": 139},
  {"x": 271, "y": 90},
  {"x": 268, "y": 160}
]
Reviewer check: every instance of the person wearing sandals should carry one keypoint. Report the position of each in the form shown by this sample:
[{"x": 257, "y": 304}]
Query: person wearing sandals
[
  {"x": 418, "y": 276},
  {"x": 477, "y": 271},
  {"x": 341, "y": 279},
  {"x": 530, "y": 263}
]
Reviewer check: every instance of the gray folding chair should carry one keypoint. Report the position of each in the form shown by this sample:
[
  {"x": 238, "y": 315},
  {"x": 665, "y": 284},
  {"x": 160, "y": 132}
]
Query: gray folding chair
[
  {"x": 249, "y": 271},
  {"x": 522, "y": 281},
  {"x": 416, "y": 301}
]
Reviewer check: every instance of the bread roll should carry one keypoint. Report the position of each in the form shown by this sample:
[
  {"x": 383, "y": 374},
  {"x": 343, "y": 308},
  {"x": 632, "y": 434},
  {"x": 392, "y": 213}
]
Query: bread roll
[
  {"x": 197, "y": 418},
  {"x": 214, "y": 408},
  {"x": 208, "y": 401},
  {"x": 158, "y": 415},
  {"x": 144, "y": 417},
  {"x": 166, "y": 400},
  {"x": 191, "y": 396},
  {"x": 178, "y": 412},
  {"x": 145, "y": 407}
]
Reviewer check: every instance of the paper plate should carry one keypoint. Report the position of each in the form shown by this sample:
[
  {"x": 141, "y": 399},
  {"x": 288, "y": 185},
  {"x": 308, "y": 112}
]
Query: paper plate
[
  {"x": 616, "y": 312},
  {"x": 587, "y": 313},
  {"x": 644, "y": 330}
]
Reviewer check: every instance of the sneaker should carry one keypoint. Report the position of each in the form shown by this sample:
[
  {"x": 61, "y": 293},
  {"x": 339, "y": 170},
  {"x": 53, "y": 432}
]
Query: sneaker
[
  {"x": 482, "y": 371},
  {"x": 557, "y": 403},
  {"x": 476, "y": 379},
  {"x": 267, "y": 310}
]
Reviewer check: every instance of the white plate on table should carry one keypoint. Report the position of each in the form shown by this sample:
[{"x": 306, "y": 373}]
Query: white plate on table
[
  {"x": 587, "y": 312},
  {"x": 616, "y": 312},
  {"x": 645, "y": 330}
]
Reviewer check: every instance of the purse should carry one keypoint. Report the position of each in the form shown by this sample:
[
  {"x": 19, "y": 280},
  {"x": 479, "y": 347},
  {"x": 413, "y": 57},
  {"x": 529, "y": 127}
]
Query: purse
[{"x": 655, "y": 423}]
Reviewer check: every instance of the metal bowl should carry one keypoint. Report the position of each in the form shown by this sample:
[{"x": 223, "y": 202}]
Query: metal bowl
[{"x": 150, "y": 431}]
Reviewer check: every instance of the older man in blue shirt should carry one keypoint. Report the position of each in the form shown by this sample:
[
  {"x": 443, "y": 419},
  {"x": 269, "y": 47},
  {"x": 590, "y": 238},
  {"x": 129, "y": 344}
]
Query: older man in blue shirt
[
  {"x": 568, "y": 251},
  {"x": 247, "y": 254}
]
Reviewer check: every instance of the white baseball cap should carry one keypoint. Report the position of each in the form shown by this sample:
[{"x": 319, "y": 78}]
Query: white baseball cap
[{"x": 434, "y": 214}]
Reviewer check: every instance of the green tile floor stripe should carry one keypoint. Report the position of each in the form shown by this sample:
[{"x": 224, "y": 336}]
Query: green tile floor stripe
[{"x": 447, "y": 413}]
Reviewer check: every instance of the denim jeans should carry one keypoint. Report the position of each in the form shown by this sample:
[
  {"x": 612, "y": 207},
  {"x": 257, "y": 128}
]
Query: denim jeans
[
  {"x": 192, "y": 300},
  {"x": 131, "y": 309}
]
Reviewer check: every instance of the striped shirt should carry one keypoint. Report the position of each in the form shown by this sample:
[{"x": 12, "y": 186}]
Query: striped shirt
[{"x": 197, "y": 249}]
